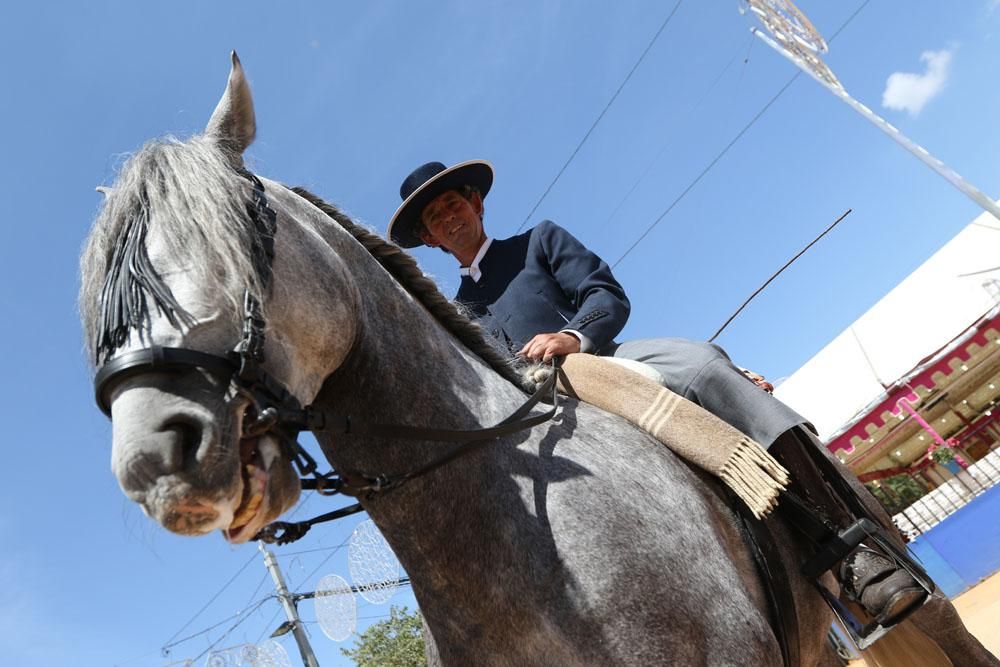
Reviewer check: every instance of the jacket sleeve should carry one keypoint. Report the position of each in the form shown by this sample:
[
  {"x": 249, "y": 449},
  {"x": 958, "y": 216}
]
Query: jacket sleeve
[{"x": 586, "y": 281}]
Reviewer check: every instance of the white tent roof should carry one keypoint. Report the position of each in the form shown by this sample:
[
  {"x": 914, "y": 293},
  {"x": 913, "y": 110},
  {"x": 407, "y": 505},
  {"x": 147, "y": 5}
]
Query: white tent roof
[{"x": 924, "y": 312}]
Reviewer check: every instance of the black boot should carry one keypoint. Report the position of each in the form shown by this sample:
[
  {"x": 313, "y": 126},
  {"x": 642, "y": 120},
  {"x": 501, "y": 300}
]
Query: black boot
[
  {"x": 880, "y": 586},
  {"x": 876, "y": 573}
]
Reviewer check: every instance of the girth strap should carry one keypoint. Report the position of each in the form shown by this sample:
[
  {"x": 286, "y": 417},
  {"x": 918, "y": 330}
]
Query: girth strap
[{"x": 775, "y": 583}]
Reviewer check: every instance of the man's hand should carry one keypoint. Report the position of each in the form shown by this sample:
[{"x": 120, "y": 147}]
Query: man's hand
[
  {"x": 758, "y": 380},
  {"x": 545, "y": 346}
]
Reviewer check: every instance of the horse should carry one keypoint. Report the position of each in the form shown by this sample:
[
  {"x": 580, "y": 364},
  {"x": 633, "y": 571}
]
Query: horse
[{"x": 578, "y": 541}]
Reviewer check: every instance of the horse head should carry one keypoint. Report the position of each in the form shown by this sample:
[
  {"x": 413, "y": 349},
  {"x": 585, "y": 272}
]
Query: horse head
[{"x": 188, "y": 251}]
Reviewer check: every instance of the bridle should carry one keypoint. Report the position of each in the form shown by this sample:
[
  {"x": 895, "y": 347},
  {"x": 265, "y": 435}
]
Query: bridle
[{"x": 273, "y": 410}]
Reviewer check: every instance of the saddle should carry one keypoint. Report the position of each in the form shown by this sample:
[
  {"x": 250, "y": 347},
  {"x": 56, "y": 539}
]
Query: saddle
[
  {"x": 687, "y": 429},
  {"x": 757, "y": 479}
]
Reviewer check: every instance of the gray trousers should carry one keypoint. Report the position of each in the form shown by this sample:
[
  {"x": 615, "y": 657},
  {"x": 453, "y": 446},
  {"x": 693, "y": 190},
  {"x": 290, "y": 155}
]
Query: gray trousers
[{"x": 704, "y": 374}]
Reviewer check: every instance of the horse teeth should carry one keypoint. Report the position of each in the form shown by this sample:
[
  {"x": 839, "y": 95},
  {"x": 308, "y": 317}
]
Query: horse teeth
[
  {"x": 255, "y": 502},
  {"x": 247, "y": 511}
]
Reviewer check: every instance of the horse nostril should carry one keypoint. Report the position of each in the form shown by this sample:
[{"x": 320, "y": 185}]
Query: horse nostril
[{"x": 181, "y": 452}]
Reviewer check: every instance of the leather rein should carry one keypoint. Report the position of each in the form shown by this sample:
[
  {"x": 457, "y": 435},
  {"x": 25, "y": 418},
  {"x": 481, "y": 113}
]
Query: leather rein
[{"x": 273, "y": 410}]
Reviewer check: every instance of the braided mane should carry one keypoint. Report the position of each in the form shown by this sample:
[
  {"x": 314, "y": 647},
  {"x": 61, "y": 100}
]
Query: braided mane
[{"x": 405, "y": 270}]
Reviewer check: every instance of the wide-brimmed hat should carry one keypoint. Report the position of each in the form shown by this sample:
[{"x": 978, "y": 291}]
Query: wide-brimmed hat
[{"x": 424, "y": 184}]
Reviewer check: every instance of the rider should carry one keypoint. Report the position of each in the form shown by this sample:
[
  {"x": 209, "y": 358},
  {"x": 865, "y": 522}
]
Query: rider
[{"x": 543, "y": 294}]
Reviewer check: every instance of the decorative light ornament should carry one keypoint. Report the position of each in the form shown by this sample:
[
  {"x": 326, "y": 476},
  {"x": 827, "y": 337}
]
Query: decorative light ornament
[
  {"x": 794, "y": 34},
  {"x": 336, "y": 607},
  {"x": 372, "y": 564}
]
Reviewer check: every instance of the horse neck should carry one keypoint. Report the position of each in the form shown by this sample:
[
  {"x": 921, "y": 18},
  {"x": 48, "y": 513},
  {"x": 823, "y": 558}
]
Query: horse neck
[{"x": 405, "y": 368}]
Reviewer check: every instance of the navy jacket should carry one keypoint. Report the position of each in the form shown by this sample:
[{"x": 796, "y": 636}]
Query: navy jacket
[{"x": 543, "y": 281}]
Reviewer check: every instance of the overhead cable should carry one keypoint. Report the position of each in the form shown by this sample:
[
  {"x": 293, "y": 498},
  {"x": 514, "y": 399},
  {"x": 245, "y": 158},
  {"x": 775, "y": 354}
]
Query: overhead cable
[
  {"x": 725, "y": 150},
  {"x": 600, "y": 116},
  {"x": 165, "y": 649},
  {"x": 212, "y": 599},
  {"x": 669, "y": 142},
  {"x": 231, "y": 629}
]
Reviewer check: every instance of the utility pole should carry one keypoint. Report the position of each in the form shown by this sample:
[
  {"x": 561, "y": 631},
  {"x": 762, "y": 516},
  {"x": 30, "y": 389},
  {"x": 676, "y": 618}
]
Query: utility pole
[
  {"x": 288, "y": 601},
  {"x": 795, "y": 38}
]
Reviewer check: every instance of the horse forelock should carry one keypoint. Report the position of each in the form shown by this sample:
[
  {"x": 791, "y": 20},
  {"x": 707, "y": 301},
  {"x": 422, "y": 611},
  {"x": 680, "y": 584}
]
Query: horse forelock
[{"x": 190, "y": 197}]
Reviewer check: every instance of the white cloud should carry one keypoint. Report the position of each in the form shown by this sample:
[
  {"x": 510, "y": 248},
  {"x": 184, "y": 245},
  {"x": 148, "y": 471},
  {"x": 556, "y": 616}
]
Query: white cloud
[{"x": 905, "y": 91}]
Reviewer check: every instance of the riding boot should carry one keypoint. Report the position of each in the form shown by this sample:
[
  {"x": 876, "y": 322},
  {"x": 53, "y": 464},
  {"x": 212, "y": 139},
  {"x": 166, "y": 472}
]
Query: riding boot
[{"x": 875, "y": 580}]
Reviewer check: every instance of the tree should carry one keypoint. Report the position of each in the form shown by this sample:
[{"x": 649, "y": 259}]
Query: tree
[
  {"x": 395, "y": 642},
  {"x": 896, "y": 493}
]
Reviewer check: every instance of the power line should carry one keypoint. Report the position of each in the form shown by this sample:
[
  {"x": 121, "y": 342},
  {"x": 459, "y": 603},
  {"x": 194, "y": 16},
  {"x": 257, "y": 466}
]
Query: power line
[
  {"x": 230, "y": 630},
  {"x": 725, "y": 150},
  {"x": 212, "y": 599},
  {"x": 669, "y": 142},
  {"x": 706, "y": 169},
  {"x": 307, "y": 578},
  {"x": 257, "y": 590},
  {"x": 309, "y": 551},
  {"x": 268, "y": 625},
  {"x": 302, "y": 503},
  {"x": 848, "y": 21},
  {"x": 324, "y": 561},
  {"x": 165, "y": 649},
  {"x": 600, "y": 116}
]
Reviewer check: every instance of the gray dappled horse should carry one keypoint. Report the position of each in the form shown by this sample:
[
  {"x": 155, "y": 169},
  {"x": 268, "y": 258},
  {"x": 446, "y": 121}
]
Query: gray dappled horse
[{"x": 582, "y": 541}]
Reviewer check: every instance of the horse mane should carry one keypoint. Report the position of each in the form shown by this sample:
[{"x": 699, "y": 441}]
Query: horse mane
[
  {"x": 189, "y": 192},
  {"x": 401, "y": 266}
]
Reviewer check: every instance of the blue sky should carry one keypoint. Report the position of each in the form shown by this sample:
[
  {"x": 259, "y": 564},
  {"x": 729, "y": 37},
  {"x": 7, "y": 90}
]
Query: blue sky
[{"x": 350, "y": 97}]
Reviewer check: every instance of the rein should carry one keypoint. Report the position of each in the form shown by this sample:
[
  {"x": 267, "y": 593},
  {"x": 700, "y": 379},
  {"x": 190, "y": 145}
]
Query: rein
[{"x": 275, "y": 411}]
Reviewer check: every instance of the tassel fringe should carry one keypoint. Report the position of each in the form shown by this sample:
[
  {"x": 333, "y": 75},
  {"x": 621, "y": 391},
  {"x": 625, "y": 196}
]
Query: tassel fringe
[{"x": 755, "y": 476}]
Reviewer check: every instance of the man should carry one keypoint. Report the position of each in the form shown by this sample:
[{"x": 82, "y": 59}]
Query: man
[{"x": 543, "y": 294}]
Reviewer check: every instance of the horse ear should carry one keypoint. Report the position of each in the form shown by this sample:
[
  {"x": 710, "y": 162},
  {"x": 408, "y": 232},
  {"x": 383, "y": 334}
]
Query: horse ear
[{"x": 233, "y": 122}]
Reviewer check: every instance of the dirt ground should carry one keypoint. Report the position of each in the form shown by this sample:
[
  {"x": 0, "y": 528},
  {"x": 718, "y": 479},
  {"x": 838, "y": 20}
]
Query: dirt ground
[{"x": 980, "y": 610}]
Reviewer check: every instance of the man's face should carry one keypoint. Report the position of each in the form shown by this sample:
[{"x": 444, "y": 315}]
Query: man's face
[{"x": 455, "y": 223}]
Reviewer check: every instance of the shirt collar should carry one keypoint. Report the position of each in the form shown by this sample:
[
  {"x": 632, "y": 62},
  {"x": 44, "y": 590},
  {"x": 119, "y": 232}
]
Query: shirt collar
[{"x": 473, "y": 270}]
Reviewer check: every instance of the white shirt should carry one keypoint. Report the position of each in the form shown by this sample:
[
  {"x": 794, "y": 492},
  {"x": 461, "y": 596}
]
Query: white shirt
[{"x": 473, "y": 269}]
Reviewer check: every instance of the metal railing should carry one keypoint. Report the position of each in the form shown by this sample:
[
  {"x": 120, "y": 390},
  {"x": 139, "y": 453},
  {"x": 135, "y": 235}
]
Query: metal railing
[{"x": 937, "y": 505}]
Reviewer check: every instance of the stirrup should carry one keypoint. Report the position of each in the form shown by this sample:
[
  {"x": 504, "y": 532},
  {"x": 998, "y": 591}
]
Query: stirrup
[{"x": 836, "y": 549}]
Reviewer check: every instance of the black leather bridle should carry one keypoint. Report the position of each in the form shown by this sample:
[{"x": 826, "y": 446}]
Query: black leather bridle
[{"x": 275, "y": 411}]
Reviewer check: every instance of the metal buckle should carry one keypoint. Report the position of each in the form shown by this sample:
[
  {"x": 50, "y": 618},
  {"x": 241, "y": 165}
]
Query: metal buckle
[
  {"x": 265, "y": 420},
  {"x": 282, "y": 532}
]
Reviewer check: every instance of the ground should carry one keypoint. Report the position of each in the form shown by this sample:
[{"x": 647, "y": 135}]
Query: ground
[{"x": 980, "y": 609}]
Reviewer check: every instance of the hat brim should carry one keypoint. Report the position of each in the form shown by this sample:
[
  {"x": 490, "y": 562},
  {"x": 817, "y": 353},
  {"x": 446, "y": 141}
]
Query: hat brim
[{"x": 403, "y": 225}]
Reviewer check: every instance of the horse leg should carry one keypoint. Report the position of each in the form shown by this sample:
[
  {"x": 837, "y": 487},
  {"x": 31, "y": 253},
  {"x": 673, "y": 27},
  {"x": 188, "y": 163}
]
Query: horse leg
[
  {"x": 939, "y": 621},
  {"x": 829, "y": 657}
]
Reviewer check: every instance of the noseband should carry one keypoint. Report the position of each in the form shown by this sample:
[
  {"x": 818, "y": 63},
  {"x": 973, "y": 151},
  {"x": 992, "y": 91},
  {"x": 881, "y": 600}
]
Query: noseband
[{"x": 273, "y": 410}]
